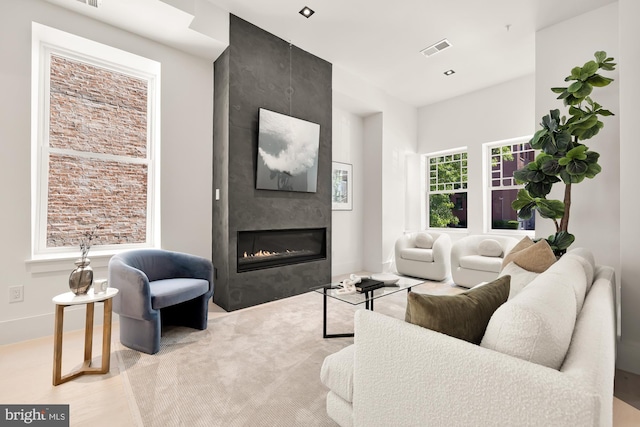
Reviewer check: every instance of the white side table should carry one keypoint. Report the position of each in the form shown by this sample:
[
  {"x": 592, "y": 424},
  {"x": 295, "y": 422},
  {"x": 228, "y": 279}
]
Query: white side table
[{"x": 64, "y": 300}]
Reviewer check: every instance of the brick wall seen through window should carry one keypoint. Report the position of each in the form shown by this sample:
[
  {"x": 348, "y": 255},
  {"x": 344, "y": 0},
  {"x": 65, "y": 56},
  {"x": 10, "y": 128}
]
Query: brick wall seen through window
[{"x": 98, "y": 155}]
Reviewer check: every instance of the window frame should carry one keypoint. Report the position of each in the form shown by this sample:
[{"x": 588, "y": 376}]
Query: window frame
[
  {"x": 48, "y": 41},
  {"x": 487, "y": 171},
  {"x": 426, "y": 191}
]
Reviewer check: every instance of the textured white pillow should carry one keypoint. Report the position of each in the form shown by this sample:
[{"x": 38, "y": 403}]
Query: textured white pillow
[
  {"x": 490, "y": 247},
  {"x": 424, "y": 240},
  {"x": 519, "y": 278},
  {"x": 585, "y": 257},
  {"x": 537, "y": 324}
]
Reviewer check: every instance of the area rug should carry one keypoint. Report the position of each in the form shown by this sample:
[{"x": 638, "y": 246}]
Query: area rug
[{"x": 254, "y": 367}]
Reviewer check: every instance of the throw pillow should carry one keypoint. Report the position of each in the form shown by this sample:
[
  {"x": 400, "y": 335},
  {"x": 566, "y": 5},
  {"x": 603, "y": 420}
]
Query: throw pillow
[
  {"x": 519, "y": 278},
  {"x": 536, "y": 258},
  {"x": 522, "y": 244},
  {"x": 490, "y": 247},
  {"x": 424, "y": 240},
  {"x": 464, "y": 316}
]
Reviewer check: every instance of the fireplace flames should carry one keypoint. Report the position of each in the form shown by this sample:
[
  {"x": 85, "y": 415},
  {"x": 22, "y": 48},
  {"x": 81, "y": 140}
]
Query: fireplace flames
[{"x": 261, "y": 254}]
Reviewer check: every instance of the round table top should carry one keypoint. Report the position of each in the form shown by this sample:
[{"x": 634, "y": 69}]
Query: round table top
[{"x": 69, "y": 298}]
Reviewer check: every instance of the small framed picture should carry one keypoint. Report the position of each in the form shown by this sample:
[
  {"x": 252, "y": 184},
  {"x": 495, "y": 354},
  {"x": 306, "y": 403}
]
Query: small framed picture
[{"x": 342, "y": 186}]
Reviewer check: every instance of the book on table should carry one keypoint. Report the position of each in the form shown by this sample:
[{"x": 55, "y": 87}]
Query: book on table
[{"x": 369, "y": 285}]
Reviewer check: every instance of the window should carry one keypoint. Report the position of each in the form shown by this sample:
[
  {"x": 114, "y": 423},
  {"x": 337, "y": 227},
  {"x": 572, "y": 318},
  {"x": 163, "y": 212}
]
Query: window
[
  {"x": 506, "y": 157},
  {"x": 96, "y": 148},
  {"x": 446, "y": 195}
]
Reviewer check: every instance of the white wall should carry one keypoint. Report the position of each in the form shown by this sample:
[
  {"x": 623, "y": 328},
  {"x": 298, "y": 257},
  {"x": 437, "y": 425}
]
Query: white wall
[
  {"x": 496, "y": 113},
  {"x": 372, "y": 193},
  {"x": 346, "y": 226},
  {"x": 390, "y": 134},
  {"x": 594, "y": 202},
  {"x": 629, "y": 56},
  {"x": 186, "y": 175}
]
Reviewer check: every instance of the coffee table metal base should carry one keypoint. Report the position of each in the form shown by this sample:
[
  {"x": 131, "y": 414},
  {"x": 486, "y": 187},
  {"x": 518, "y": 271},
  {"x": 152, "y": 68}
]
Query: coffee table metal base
[{"x": 368, "y": 304}]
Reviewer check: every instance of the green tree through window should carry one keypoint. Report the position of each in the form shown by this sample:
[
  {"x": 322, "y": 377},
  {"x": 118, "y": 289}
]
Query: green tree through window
[{"x": 447, "y": 190}]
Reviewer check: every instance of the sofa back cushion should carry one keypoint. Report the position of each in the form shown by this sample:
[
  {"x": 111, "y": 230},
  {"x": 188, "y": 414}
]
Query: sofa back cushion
[
  {"x": 537, "y": 324},
  {"x": 463, "y": 316},
  {"x": 585, "y": 257},
  {"x": 519, "y": 278}
]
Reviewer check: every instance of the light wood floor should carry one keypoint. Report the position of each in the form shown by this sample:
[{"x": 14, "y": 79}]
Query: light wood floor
[{"x": 101, "y": 400}]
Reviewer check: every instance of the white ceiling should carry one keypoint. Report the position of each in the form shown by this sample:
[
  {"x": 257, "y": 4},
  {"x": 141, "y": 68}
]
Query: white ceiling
[{"x": 378, "y": 41}]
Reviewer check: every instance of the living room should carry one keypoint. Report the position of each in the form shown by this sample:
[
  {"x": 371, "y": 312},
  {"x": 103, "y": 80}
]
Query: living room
[{"x": 380, "y": 135}]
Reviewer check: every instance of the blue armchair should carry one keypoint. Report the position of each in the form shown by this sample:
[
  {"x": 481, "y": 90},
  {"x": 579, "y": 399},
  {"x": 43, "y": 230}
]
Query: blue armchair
[{"x": 159, "y": 287}]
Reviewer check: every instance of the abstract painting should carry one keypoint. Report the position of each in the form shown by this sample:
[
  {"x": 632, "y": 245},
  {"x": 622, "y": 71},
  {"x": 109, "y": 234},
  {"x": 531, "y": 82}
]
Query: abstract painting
[{"x": 287, "y": 153}]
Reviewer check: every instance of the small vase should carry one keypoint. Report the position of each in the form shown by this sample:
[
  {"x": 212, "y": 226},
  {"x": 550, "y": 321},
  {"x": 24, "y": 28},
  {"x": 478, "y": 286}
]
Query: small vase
[{"x": 81, "y": 277}]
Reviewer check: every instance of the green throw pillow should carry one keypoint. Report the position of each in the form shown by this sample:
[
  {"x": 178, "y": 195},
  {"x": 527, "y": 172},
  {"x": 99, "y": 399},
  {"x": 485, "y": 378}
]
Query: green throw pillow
[{"x": 464, "y": 316}]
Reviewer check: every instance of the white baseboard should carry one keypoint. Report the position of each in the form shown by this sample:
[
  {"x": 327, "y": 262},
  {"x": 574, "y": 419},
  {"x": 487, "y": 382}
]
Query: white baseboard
[
  {"x": 628, "y": 356},
  {"x": 28, "y": 328}
]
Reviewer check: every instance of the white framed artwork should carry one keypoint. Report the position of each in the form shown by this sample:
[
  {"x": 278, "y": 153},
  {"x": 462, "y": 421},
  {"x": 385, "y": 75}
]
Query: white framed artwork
[{"x": 342, "y": 186}]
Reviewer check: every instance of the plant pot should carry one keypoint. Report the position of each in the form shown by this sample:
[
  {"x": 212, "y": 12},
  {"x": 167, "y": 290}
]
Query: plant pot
[{"x": 81, "y": 277}]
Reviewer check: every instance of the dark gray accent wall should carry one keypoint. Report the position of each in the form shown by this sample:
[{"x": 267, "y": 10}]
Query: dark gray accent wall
[{"x": 260, "y": 70}]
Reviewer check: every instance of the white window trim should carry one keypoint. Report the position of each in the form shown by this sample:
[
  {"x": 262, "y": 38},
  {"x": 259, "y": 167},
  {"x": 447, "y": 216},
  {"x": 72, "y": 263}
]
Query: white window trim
[
  {"x": 46, "y": 40},
  {"x": 424, "y": 190},
  {"x": 486, "y": 188}
]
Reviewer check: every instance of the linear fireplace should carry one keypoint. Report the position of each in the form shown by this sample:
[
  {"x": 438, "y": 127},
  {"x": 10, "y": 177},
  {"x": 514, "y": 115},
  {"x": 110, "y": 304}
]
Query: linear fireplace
[{"x": 260, "y": 249}]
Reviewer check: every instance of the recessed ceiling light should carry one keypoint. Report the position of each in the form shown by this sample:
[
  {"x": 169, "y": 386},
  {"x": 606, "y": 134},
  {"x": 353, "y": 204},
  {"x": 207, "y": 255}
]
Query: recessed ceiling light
[
  {"x": 449, "y": 72},
  {"x": 306, "y": 12}
]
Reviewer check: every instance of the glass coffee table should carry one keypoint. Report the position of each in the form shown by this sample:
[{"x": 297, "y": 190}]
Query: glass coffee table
[{"x": 331, "y": 291}]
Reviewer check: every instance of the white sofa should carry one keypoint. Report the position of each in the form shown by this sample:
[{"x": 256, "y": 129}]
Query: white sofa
[
  {"x": 399, "y": 374},
  {"x": 427, "y": 263},
  {"x": 468, "y": 264}
]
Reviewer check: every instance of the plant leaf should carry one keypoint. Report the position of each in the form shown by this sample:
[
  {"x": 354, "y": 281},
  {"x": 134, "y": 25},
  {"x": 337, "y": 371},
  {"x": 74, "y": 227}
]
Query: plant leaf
[
  {"x": 593, "y": 170},
  {"x": 574, "y": 87},
  {"x": 588, "y": 69},
  {"x": 600, "y": 56},
  {"x": 577, "y": 167},
  {"x": 553, "y": 209},
  {"x": 599, "y": 81}
]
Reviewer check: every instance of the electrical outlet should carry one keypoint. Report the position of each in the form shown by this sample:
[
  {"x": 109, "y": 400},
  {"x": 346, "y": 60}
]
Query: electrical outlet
[{"x": 16, "y": 293}]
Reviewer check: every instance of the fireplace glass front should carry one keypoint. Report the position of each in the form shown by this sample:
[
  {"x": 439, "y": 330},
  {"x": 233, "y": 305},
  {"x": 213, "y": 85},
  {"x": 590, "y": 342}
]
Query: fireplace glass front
[{"x": 273, "y": 248}]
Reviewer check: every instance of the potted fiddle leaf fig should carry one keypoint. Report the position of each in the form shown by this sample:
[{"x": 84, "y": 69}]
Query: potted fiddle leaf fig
[{"x": 563, "y": 158}]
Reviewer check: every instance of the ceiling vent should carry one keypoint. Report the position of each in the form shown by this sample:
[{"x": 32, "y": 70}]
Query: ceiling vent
[
  {"x": 436, "y": 47},
  {"x": 94, "y": 3}
]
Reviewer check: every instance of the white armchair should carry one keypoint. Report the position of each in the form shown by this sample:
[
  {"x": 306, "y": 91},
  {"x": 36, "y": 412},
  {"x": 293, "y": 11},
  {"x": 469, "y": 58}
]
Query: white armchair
[
  {"x": 424, "y": 255},
  {"x": 475, "y": 260}
]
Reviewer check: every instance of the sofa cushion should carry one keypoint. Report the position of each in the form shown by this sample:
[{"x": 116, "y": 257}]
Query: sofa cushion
[
  {"x": 537, "y": 324},
  {"x": 463, "y": 316},
  {"x": 424, "y": 240},
  {"x": 174, "y": 291},
  {"x": 490, "y": 247},
  {"x": 519, "y": 278},
  {"x": 537, "y": 257},
  {"x": 415, "y": 254},
  {"x": 337, "y": 372},
  {"x": 585, "y": 257},
  {"x": 481, "y": 263},
  {"x": 522, "y": 244}
]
